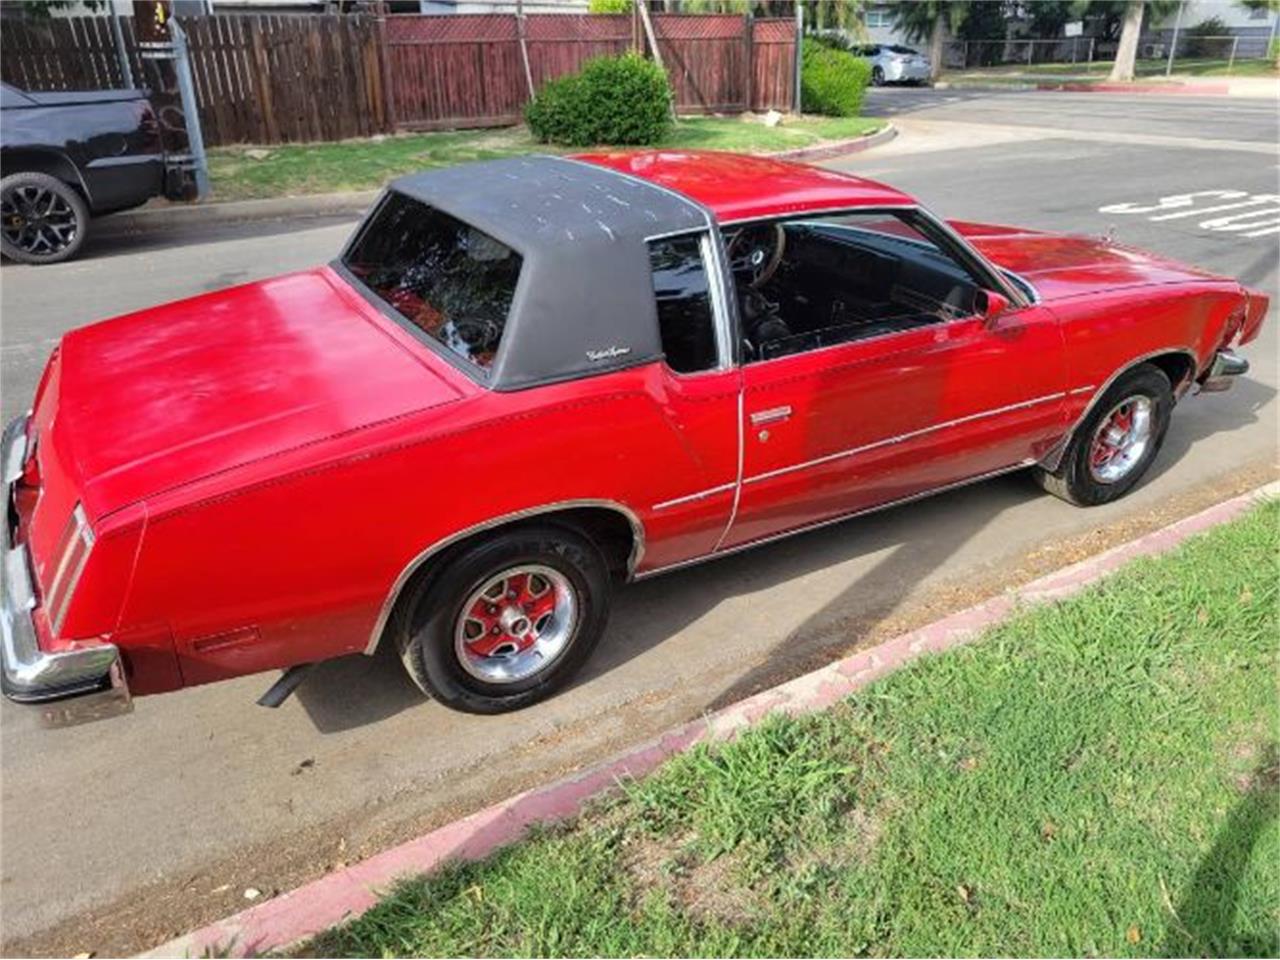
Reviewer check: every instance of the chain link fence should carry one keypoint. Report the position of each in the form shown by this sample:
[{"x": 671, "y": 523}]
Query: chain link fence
[{"x": 1194, "y": 54}]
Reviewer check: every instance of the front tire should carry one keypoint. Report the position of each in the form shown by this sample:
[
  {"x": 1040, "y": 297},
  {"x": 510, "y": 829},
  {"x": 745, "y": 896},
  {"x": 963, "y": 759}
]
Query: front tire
[
  {"x": 508, "y": 620},
  {"x": 877, "y": 77},
  {"x": 42, "y": 219},
  {"x": 1116, "y": 443}
]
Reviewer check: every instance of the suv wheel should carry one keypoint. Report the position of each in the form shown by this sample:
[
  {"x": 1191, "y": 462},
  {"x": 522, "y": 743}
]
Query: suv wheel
[{"x": 42, "y": 219}]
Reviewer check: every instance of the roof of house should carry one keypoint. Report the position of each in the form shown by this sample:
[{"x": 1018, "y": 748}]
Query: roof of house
[{"x": 740, "y": 187}]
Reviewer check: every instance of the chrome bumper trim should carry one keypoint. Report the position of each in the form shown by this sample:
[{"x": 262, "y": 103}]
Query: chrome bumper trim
[
  {"x": 73, "y": 685},
  {"x": 1226, "y": 366},
  {"x": 15, "y": 449}
]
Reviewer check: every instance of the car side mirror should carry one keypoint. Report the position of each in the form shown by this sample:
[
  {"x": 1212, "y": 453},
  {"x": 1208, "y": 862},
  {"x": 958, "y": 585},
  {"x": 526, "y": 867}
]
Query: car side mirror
[{"x": 992, "y": 305}]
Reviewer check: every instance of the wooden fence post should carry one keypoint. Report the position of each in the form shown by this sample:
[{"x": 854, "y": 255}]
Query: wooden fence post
[
  {"x": 657, "y": 54},
  {"x": 262, "y": 81},
  {"x": 524, "y": 48},
  {"x": 388, "y": 81},
  {"x": 799, "y": 61},
  {"x": 748, "y": 45}
]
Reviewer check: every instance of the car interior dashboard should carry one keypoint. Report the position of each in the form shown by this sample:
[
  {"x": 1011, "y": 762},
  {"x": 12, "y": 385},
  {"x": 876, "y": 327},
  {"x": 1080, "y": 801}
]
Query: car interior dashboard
[{"x": 803, "y": 285}]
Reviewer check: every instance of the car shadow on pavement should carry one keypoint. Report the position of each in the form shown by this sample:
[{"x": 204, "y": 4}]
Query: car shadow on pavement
[
  {"x": 1202, "y": 924},
  {"x": 1216, "y": 413},
  {"x": 356, "y": 691}
]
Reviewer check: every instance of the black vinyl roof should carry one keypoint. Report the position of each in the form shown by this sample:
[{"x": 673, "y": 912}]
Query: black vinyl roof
[{"x": 585, "y": 301}]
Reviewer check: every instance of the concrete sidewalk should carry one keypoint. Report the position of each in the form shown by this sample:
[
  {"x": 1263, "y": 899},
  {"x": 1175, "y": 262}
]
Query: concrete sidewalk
[{"x": 348, "y": 892}]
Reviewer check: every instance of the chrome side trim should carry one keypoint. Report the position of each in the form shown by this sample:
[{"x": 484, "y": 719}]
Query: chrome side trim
[
  {"x": 737, "y": 487},
  {"x": 819, "y": 212},
  {"x": 717, "y": 553},
  {"x": 384, "y": 614},
  {"x": 700, "y": 495},
  {"x": 888, "y": 441},
  {"x": 1053, "y": 458},
  {"x": 719, "y": 299}
]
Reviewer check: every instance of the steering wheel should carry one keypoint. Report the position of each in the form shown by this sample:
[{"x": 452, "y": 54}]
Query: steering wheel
[{"x": 756, "y": 252}]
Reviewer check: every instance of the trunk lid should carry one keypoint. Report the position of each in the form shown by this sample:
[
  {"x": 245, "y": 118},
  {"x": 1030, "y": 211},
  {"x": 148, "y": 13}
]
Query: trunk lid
[
  {"x": 156, "y": 399},
  {"x": 1062, "y": 265}
]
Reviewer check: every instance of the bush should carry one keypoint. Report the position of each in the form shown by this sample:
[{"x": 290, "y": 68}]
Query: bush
[
  {"x": 622, "y": 101},
  {"x": 832, "y": 81},
  {"x": 1205, "y": 39},
  {"x": 609, "y": 6}
]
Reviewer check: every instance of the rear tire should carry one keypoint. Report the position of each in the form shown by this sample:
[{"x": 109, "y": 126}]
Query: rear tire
[
  {"x": 508, "y": 620},
  {"x": 1116, "y": 443},
  {"x": 877, "y": 77},
  {"x": 42, "y": 219}
]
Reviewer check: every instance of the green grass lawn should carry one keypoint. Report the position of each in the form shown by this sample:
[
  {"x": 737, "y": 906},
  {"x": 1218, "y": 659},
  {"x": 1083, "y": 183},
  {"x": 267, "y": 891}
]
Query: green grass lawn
[
  {"x": 368, "y": 164},
  {"x": 1097, "y": 777},
  {"x": 1144, "y": 69}
]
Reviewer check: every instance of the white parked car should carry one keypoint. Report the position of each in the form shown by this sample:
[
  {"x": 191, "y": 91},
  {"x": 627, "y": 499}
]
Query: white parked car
[{"x": 891, "y": 63}]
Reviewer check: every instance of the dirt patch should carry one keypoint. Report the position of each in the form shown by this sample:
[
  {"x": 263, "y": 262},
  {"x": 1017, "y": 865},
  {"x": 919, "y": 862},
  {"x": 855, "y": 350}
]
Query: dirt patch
[
  {"x": 858, "y": 833},
  {"x": 709, "y": 890}
]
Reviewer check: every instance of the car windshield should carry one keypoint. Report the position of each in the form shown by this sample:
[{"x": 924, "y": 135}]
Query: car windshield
[
  {"x": 903, "y": 50},
  {"x": 448, "y": 279}
]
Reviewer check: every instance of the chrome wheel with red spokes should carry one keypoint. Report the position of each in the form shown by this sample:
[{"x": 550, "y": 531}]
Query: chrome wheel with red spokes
[
  {"x": 1121, "y": 439},
  {"x": 516, "y": 624}
]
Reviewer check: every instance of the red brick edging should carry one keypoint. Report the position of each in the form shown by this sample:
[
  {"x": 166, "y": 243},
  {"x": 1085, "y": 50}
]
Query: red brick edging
[
  {"x": 1193, "y": 89},
  {"x": 347, "y": 893}
]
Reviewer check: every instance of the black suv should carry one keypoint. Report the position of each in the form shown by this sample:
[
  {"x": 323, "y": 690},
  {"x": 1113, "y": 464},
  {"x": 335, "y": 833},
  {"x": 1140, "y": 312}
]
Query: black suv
[{"x": 67, "y": 156}]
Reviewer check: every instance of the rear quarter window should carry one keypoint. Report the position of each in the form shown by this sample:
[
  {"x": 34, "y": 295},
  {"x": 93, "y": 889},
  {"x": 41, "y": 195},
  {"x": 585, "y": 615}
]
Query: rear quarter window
[{"x": 449, "y": 280}]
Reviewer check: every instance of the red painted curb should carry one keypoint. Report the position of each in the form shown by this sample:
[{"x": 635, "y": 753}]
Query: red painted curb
[
  {"x": 1194, "y": 89},
  {"x": 346, "y": 893}
]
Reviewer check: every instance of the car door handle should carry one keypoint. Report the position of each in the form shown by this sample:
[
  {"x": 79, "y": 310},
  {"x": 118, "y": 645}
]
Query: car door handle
[{"x": 772, "y": 415}]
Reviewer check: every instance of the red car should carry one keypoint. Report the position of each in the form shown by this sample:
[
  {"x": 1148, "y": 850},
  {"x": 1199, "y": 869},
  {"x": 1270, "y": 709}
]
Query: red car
[{"x": 525, "y": 380}]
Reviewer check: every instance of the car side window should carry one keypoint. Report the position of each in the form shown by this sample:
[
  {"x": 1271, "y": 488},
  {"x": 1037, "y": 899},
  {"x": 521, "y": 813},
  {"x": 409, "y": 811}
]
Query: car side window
[
  {"x": 816, "y": 282},
  {"x": 686, "y": 317}
]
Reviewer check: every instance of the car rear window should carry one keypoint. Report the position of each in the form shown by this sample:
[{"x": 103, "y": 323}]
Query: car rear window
[{"x": 451, "y": 281}]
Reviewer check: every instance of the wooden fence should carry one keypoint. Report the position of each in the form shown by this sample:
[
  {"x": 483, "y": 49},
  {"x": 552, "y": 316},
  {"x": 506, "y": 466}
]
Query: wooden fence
[{"x": 302, "y": 78}]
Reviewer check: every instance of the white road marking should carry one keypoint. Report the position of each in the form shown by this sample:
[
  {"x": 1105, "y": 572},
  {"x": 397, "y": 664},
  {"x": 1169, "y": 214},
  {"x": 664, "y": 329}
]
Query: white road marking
[{"x": 1254, "y": 215}]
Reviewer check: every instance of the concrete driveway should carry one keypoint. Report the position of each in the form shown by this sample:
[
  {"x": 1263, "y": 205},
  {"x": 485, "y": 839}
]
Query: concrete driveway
[{"x": 118, "y": 835}]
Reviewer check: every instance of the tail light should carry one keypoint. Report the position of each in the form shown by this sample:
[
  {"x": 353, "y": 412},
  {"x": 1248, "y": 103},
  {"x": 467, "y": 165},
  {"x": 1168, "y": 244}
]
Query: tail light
[{"x": 72, "y": 553}]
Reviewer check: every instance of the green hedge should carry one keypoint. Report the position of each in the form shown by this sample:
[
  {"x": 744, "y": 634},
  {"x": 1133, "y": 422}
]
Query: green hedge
[
  {"x": 614, "y": 100},
  {"x": 833, "y": 81}
]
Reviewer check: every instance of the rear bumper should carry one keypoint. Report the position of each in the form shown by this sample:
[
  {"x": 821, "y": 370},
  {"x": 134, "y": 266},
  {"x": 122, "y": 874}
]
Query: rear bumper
[
  {"x": 1222, "y": 372},
  {"x": 71, "y": 686},
  {"x": 895, "y": 72}
]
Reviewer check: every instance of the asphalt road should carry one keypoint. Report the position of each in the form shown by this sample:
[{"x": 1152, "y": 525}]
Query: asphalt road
[{"x": 123, "y": 832}]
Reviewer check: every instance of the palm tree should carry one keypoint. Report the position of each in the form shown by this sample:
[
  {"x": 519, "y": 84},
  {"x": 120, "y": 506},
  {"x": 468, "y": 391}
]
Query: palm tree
[
  {"x": 930, "y": 20},
  {"x": 1131, "y": 32}
]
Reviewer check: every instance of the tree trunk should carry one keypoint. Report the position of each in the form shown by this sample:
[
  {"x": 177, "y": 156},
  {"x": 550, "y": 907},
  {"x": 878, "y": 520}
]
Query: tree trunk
[
  {"x": 936, "y": 46},
  {"x": 1127, "y": 51}
]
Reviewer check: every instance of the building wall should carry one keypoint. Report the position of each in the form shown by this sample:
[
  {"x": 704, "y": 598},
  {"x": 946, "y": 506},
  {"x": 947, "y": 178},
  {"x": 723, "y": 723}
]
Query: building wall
[
  {"x": 1237, "y": 18},
  {"x": 878, "y": 20}
]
